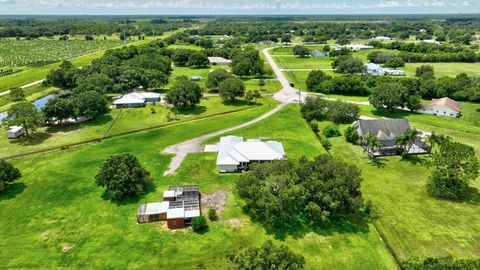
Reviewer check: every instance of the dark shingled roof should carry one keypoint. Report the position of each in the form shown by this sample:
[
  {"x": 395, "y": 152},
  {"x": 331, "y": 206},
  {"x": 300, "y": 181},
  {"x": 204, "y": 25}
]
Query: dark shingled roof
[{"x": 382, "y": 127}]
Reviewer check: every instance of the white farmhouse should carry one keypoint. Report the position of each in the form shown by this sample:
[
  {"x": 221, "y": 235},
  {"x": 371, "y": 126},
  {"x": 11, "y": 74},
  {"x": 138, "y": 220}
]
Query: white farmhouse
[
  {"x": 354, "y": 47},
  {"x": 235, "y": 154},
  {"x": 443, "y": 107},
  {"x": 136, "y": 99}
]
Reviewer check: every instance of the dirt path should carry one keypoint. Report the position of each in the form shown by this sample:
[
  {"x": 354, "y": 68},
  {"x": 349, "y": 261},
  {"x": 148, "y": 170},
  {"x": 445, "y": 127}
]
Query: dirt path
[{"x": 23, "y": 86}]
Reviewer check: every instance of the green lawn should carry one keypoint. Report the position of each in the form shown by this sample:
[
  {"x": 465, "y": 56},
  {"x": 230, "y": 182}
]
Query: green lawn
[
  {"x": 446, "y": 69},
  {"x": 413, "y": 222},
  {"x": 465, "y": 129},
  {"x": 127, "y": 120},
  {"x": 185, "y": 46},
  {"x": 292, "y": 62},
  {"x": 57, "y": 204}
]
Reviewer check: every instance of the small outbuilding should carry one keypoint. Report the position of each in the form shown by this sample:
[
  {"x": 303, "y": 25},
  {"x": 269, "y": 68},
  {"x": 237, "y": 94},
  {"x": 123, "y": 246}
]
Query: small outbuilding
[
  {"x": 215, "y": 60},
  {"x": 317, "y": 53},
  {"x": 14, "y": 132},
  {"x": 382, "y": 38},
  {"x": 180, "y": 204}
]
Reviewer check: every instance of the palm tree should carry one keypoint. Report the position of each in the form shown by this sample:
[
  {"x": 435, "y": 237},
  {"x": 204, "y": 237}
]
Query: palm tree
[
  {"x": 371, "y": 142},
  {"x": 437, "y": 139},
  {"x": 407, "y": 139}
]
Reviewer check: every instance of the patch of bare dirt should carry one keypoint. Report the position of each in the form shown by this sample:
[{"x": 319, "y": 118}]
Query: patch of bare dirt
[
  {"x": 235, "y": 222},
  {"x": 66, "y": 248},
  {"x": 216, "y": 200}
]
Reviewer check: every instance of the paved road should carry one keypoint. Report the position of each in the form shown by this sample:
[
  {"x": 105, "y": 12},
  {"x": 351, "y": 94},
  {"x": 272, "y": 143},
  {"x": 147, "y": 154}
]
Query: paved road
[
  {"x": 25, "y": 86},
  {"x": 286, "y": 95},
  {"x": 181, "y": 150}
]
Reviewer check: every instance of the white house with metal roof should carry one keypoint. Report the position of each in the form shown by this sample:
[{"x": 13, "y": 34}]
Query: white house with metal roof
[
  {"x": 216, "y": 60},
  {"x": 235, "y": 154},
  {"x": 136, "y": 99}
]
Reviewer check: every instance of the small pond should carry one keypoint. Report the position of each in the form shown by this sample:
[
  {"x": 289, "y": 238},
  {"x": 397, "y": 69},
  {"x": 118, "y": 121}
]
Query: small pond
[{"x": 40, "y": 103}]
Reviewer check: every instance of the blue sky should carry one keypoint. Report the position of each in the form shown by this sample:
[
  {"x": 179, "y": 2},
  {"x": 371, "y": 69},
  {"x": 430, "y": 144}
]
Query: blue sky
[{"x": 218, "y": 7}]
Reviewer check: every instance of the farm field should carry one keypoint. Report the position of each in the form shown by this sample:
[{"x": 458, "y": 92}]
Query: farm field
[
  {"x": 19, "y": 53},
  {"x": 71, "y": 210},
  {"x": 119, "y": 121},
  {"x": 32, "y": 74}
]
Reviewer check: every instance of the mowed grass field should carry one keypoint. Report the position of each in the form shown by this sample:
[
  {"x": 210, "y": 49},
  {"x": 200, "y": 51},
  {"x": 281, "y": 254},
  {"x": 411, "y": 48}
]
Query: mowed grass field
[
  {"x": 119, "y": 121},
  {"x": 285, "y": 55},
  {"x": 56, "y": 205}
]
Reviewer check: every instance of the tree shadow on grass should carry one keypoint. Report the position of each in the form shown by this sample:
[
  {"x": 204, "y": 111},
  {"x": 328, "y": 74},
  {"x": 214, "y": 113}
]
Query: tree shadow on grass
[
  {"x": 354, "y": 223},
  {"x": 196, "y": 110},
  {"x": 12, "y": 191},
  {"x": 395, "y": 114},
  {"x": 377, "y": 162},
  {"x": 414, "y": 159},
  {"x": 130, "y": 200},
  {"x": 34, "y": 139},
  {"x": 73, "y": 127},
  {"x": 241, "y": 102},
  {"x": 473, "y": 196}
]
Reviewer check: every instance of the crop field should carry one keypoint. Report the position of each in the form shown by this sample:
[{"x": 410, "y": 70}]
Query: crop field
[{"x": 17, "y": 53}]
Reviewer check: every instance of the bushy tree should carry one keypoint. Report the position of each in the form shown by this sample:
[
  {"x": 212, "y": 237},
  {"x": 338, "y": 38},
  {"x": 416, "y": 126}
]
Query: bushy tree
[
  {"x": 198, "y": 60},
  {"x": 331, "y": 131},
  {"x": 216, "y": 77},
  {"x": 414, "y": 103},
  {"x": 24, "y": 114},
  {"x": 335, "y": 111},
  {"x": 285, "y": 193},
  {"x": 8, "y": 174},
  {"x": 318, "y": 81},
  {"x": 231, "y": 88},
  {"x": 17, "y": 94},
  {"x": 351, "y": 135},
  {"x": 455, "y": 166},
  {"x": 180, "y": 57},
  {"x": 301, "y": 51},
  {"x": 349, "y": 65},
  {"x": 440, "y": 263},
  {"x": 268, "y": 256},
  {"x": 122, "y": 176},
  {"x": 247, "y": 63},
  {"x": 89, "y": 104},
  {"x": 395, "y": 62},
  {"x": 212, "y": 214},
  {"x": 58, "y": 108},
  {"x": 184, "y": 94},
  {"x": 423, "y": 69},
  {"x": 199, "y": 223},
  {"x": 387, "y": 96},
  {"x": 62, "y": 77}
]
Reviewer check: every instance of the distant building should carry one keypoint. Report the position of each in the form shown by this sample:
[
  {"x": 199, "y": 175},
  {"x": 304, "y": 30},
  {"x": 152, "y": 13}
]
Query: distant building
[
  {"x": 136, "y": 99},
  {"x": 354, "y": 47},
  {"x": 317, "y": 53},
  {"x": 180, "y": 204},
  {"x": 196, "y": 78},
  {"x": 443, "y": 107},
  {"x": 387, "y": 131},
  {"x": 267, "y": 42},
  {"x": 382, "y": 38},
  {"x": 234, "y": 154},
  {"x": 14, "y": 132},
  {"x": 430, "y": 41},
  {"x": 376, "y": 70},
  {"x": 422, "y": 31},
  {"x": 215, "y": 60}
]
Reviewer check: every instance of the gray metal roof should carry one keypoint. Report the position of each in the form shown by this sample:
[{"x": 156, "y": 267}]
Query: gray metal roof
[{"x": 391, "y": 128}]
